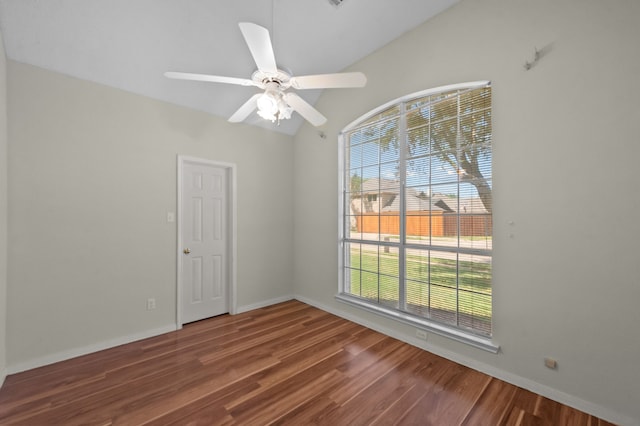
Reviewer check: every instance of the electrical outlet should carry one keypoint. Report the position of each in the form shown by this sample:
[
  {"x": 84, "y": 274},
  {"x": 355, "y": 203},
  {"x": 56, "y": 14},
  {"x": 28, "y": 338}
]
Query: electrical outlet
[
  {"x": 151, "y": 304},
  {"x": 421, "y": 334}
]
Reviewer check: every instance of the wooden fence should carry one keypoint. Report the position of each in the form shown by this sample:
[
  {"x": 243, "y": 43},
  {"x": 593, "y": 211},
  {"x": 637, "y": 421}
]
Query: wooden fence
[{"x": 418, "y": 223}]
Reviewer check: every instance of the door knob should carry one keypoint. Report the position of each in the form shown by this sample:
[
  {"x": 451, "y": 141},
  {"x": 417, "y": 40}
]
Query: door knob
[{"x": 186, "y": 251}]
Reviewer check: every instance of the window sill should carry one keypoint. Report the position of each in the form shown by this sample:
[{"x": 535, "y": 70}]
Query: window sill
[{"x": 430, "y": 326}]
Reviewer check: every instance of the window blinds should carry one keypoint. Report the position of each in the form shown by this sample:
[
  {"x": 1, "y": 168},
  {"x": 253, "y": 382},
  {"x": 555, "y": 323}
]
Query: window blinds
[{"x": 417, "y": 205}]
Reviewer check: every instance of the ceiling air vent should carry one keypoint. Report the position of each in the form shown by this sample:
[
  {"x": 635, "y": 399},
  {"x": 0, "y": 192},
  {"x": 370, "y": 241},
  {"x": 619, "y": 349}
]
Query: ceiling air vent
[{"x": 336, "y": 2}]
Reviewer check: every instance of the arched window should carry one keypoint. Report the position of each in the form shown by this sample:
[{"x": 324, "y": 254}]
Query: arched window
[{"x": 416, "y": 211}]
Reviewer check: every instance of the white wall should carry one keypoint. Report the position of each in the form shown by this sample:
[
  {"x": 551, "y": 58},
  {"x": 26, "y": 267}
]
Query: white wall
[
  {"x": 92, "y": 177},
  {"x": 566, "y": 149},
  {"x": 3, "y": 210}
]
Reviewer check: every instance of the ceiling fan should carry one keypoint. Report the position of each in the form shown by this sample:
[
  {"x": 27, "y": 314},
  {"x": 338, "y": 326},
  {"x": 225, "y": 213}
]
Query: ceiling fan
[{"x": 275, "y": 103}]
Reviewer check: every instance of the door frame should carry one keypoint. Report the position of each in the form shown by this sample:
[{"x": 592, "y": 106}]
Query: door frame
[{"x": 232, "y": 233}]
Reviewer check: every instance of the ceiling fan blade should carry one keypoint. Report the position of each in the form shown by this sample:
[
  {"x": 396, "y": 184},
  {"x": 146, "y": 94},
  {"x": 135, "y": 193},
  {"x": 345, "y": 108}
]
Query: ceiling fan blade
[
  {"x": 259, "y": 43},
  {"x": 246, "y": 109},
  {"x": 209, "y": 78},
  {"x": 329, "y": 81},
  {"x": 309, "y": 113}
]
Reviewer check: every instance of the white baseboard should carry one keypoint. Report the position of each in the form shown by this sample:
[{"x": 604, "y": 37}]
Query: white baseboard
[
  {"x": 264, "y": 303},
  {"x": 76, "y": 352},
  {"x": 514, "y": 379}
]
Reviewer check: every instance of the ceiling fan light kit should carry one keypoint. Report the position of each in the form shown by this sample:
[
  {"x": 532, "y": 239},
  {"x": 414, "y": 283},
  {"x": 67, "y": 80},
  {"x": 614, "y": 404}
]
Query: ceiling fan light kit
[
  {"x": 271, "y": 104},
  {"x": 275, "y": 104}
]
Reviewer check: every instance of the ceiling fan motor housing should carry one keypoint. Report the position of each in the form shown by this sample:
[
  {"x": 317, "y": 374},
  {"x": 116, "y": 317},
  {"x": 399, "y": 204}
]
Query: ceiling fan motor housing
[{"x": 262, "y": 79}]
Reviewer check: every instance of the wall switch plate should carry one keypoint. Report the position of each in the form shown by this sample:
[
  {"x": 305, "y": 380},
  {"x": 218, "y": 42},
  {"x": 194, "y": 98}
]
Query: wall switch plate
[
  {"x": 151, "y": 304},
  {"x": 171, "y": 217}
]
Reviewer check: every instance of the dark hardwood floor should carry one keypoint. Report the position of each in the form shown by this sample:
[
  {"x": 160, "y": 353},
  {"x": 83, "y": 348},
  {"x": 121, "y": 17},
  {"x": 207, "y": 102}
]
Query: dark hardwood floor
[{"x": 285, "y": 364}]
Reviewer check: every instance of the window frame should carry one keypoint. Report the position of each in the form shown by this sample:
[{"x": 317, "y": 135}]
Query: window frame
[{"x": 442, "y": 329}]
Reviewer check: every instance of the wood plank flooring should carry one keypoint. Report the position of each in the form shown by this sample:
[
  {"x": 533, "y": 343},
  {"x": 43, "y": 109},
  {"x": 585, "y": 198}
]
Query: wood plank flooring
[{"x": 287, "y": 364}]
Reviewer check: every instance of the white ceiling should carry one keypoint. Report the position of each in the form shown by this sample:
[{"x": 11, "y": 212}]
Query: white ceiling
[{"x": 128, "y": 44}]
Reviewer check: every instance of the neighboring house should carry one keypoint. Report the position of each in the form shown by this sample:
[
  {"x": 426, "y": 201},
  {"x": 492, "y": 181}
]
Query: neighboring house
[
  {"x": 381, "y": 195},
  {"x": 376, "y": 210},
  {"x": 376, "y": 195}
]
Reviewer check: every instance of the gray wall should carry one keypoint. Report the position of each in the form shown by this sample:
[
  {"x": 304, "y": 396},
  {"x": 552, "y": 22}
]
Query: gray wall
[
  {"x": 3, "y": 210},
  {"x": 565, "y": 172},
  {"x": 92, "y": 177}
]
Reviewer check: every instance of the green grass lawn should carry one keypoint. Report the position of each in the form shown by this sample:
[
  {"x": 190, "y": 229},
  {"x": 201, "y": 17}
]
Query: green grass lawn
[{"x": 431, "y": 288}]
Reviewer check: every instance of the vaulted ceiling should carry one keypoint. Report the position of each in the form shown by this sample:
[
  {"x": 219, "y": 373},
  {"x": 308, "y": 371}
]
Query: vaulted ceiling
[{"x": 129, "y": 44}]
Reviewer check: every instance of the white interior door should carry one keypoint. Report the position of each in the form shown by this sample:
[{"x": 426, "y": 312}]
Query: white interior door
[{"x": 205, "y": 241}]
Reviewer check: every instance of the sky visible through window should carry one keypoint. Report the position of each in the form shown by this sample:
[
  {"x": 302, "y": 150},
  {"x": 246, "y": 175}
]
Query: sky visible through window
[{"x": 442, "y": 176}]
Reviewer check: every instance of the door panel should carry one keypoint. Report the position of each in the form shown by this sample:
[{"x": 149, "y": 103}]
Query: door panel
[{"x": 205, "y": 241}]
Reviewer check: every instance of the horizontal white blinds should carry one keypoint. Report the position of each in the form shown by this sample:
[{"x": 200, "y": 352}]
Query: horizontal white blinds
[{"x": 418, "y": 208}]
